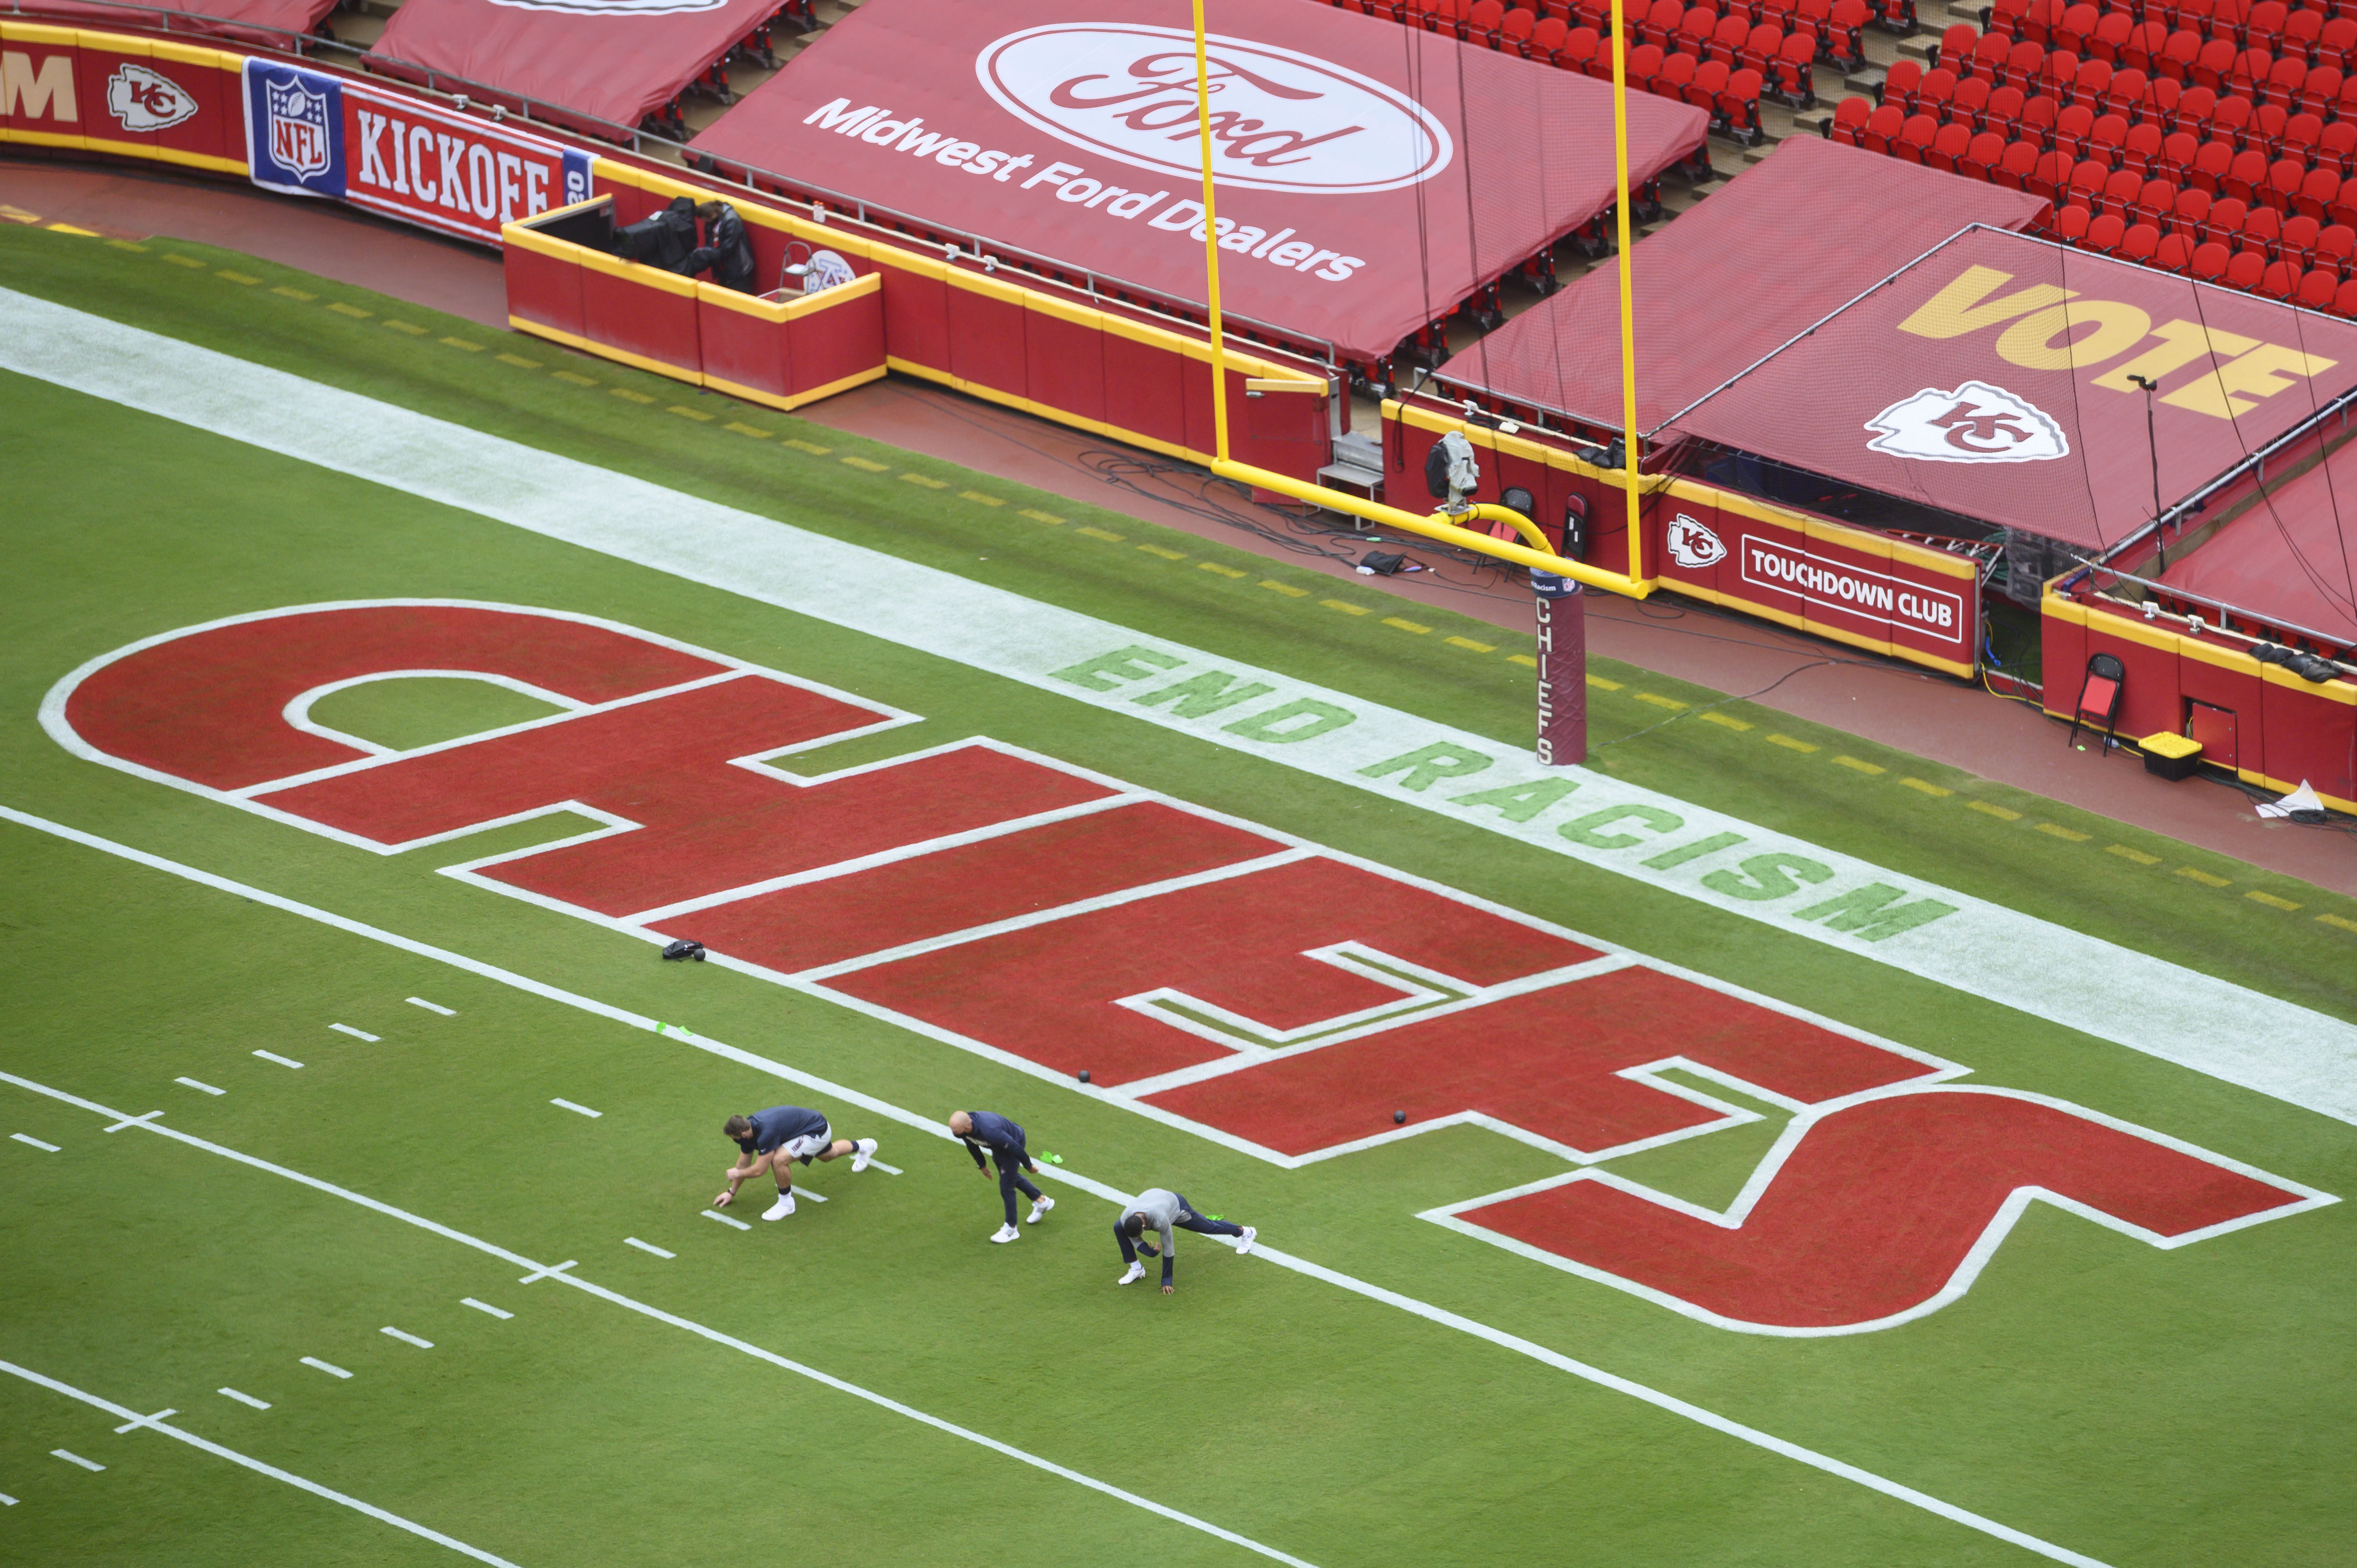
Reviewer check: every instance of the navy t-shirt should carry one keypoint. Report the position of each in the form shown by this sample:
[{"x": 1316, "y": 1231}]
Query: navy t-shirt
[{"x": 779, "y": 1126}]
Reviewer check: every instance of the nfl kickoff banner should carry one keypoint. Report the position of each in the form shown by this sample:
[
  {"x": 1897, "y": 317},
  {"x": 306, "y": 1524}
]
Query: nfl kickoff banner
[{"x": 312, "y": 135}]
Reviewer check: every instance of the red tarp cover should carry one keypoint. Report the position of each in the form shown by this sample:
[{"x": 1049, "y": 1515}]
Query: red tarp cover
[
  {"x": 1785, "y": 244},
  {"x": 1990, "y": 379},
  {"x": 2291, "y": 562},
  {"x": 1374, "y": 175},
  {"x": 266, "y": 21},
  {"x": 616, "y": 61}
]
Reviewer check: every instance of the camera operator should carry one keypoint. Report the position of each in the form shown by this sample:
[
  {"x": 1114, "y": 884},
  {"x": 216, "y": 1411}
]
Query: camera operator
[{"x": 727, "y": 250}]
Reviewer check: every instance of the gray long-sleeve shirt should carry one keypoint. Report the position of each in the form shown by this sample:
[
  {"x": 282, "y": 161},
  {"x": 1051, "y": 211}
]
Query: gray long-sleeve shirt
[{"x": 1162, "y": 1211}]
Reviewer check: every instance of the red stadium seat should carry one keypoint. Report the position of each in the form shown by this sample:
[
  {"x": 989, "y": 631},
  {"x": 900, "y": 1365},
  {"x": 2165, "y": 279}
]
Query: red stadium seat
[
  {"x": 1794, "y": 75},
  {"x": 2178, "y": 151},
  {"x": 2336, "y": 146},
  {"x": 2141, "y": 149},
  {"x": 2282, "y": 188},
  {"x": 1947, "y": 147},
  {"x": 2104, "y": 139},
  {"x": 2086, "y": 187},
  {"x": 2319, "y": 89},
  {"x": 2302, "y": 31},
  {"x": 2155, "y": 203},
  {"x": 2014, "y": 168},
  {"x": 2209, "y": 264},
  {"x": 2262, "y": 231},
  {"x": 2138, "y": 244},
  {"x": 2317, "y": 288},
  {"x": 2279, "y": 281},
  {"x": 1762, "y": 49},
  {"x": 1899, "y": 84},
  {"x": 1644, "y": 65},
  {"x": 2196, "y": 109},
  {"x": 1987, "y": 56},
  {"x": 2245, "y": 271},
  {"x": 2224, "y": 223},
  {"x": 2298, "y": 243},
  {"x": 1656, "y": 24},
  {"x": 1514, "y": 32},
  {"x": 1881, "y": 130},
  {"x": 2214, "y": 64},
  {"x": 2049, "y": 177},
  {"x": 2344, "y": 299},
  {"x": 1710, "y": 80},
  {"x": 1848, "y": 125},
  {"x": 1578, "y": 51},
  {"x": 2038, "y": 117},
  {"x": 1695, "y": 29},
  {"x": 2338, "y": 41},
  {"x": 2070, "y": 33},
  {"x": 2300, "y": 134},
  {"x": 2071, "y": 225},
  {"x": 1982, "y": 157},
  {"x": 2185, "y": 217},
  {"x": 2265, "y": 130},
  {"x": 2160, "y": 100},
  {"x": 1726, "y": 41},
  {"x": 2070, "y": 128},
  {"x": 1546, "y": 39},
  {"x": 2055, "y": 76},
  {"x": 2143, "y": 46},
  {"x": 2230, "y": 118},
  {"x": 2174, "y": 254},
  {"x": 1846, "y": 37},
  {"x": 1738, "y": 105},
  {"x": 2336, "y": 247},
  {"x": 2317, "y": 192},
  {"x": 1956, "y": 43},
  {"x": 2005, "y": 16},
  {"x": 1914, "y": 139},
  {"x": 2120, "y": 189},
  {"x": 2285, "y": 80},
  {"x": 2038, "y": 21},
  {"x": 2126, "y": 95},
  {"x": 2003, "y": 113},
  {"x": 2090, "y": 82},
  {"x": 2177, "y": 56},
  {"x": 2208, "y": 170},
  {"x": 2246, "y": 176},
  {"x": 2248, "y": 75},
  {"x": 2109, "y": 41},
  {"x": 2263, "y": 24},
  {"x": 2103, "y": 233},
  {"x": 1969, "y": 105},
  {"x": 2024, "y": 64}
]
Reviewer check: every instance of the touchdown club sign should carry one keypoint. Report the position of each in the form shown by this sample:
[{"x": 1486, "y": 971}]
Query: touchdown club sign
[{"x": 312, "y": 135}]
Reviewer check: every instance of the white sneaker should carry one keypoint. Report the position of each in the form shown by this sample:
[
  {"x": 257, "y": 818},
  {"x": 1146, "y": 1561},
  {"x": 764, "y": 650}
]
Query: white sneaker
[
  {"x": 1039, "y": 1208},
  {"x": 861, "y": 1153},
  {"x": 1136, "y": 1272},
  {"x": 1245, "y": 1245},
  {"x": 1007, "y": 1233},
  {"x": 780, "y": 1209}
]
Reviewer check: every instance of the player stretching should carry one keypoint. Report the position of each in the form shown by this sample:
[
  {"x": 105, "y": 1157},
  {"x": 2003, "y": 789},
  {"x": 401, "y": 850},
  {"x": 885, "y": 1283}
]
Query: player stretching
[
  {"x": 774, "y": 1138},
  {"x": 981, "y": 1130},
  {"x": 1162, "y": 1209}
]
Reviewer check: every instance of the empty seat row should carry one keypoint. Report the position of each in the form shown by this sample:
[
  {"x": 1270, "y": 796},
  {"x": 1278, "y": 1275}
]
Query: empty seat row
[
  {"x": 2215, "y": 148},
  {"x": 2256, "y": 76},
  {"x": 1837, "y": 29},
  {"x": 2270, "y": 23}
]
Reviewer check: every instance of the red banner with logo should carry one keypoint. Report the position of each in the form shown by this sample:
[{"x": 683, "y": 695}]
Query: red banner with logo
[{"x": 1369, "y": 177}]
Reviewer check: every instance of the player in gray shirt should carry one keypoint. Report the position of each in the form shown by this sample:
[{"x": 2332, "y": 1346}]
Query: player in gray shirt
[{"x": 1163, "y": 1209}]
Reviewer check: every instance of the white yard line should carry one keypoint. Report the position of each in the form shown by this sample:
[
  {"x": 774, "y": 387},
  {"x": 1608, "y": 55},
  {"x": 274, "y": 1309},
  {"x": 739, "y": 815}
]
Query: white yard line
[
  {"x": 484, "y": 1307},
  {"x": 1668, "y": 1403},
  {"x": 432, "y": 1006},
  {"x": 274, "y": 1056},
  {"x": 200, "y": 1088},
  {"x": 356, "y": 1034},
  {"x": 1979, "y": 947},
  {"x": 558, "y": 1272},
  {"x": 646, "y": 1247},
  {"x": 90, "y": 1465},
  {"x": 256, "y": 1466},
  {"x": 243, "y": 1399},
  {"x": 332, "y": 1371},
  {"x": 577, "y": 1110},
  {"x": 28, "y": 1138},
  {"x": 732, "y": 1224},
  {"x": 408, "y": 1338},
  {"x": 874, "y": 1164}
]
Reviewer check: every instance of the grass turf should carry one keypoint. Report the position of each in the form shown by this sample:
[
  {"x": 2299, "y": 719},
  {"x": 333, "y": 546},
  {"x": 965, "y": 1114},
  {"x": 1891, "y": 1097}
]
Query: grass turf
[{"x": 2136, "y": 1404}]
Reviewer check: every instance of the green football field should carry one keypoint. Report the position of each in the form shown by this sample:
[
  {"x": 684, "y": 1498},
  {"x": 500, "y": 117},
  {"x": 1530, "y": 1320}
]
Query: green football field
[{"x": 357, "y": 1150}]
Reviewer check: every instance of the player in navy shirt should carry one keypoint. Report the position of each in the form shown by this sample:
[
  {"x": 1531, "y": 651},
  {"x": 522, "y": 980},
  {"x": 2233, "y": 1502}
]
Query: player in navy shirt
[
  {"x": 983, "y": 1130},
  {"x": 773, "y": 1139}
]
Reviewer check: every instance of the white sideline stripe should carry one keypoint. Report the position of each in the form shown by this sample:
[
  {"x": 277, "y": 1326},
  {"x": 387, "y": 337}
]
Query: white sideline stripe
[
  {"x": 243, "y": 1399},
  {"x": 28, "y": 1138},
  {"x": 646, "y": 1247},
  {"x": 75, "y": 1458},
  {"x": 656, "y": 1313},
  {"x": 356, "y": 1034},
  {"x": 484, "y": 1307},
  {"x": 432, "y": 1007},
  {"x": 734, "y": 1224},
  {"x": 877, "y": 1165},
  {"x": 204, "y": 1088},
  {"x": 579, "y": 1110},
  {"x": 1513, "y": 1343},
  {"x": 330, "y": 1370},
  {"x": 408, "y": 1338},
  {"x": 256, "y": 1466},
  {"x": 1985, "y": 950},
  {"x": 274, "y": 1056}
]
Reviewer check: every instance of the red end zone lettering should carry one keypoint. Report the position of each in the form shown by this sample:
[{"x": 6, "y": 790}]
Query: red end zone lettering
[{"x": 1208, "y": 973}]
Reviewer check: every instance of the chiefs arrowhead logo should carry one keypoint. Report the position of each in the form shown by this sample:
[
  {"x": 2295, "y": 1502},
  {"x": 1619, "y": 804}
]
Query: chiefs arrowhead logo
[
  {"x": 1975, "y": 424},
  {"x": 1691, "y": 544},
  {"x": 147, "y": 100}
]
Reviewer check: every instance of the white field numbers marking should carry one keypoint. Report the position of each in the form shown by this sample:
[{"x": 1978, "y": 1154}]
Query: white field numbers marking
[
  {"x": 256, "y": 1466},
  {"x": 1982, "y": 948}
]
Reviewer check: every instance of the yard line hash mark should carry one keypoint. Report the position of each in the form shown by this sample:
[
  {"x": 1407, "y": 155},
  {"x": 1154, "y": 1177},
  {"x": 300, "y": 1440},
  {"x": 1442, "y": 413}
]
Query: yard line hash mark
[
  {"x": 433, "y": 1007},
  {"x": 274, "y": 1056},
  {"x": 136, "y": 1422},
  {"x": 408, "y": 1338},
  {"x": 355, "y": 1034},
  {"x": 134, "y": 1122},
  {"x": 484, "y": 1307},
  {"x": 578, "y": 1109},
  {"x": 45, "y": 1148},
  {"x": 243, "y": 1399},
  {"x": 76, "y": 1459},
  {"x": 733, "y": 1224},
  {"x": 1668, "y": 1403},
  {"x": 646, "y": 1247},
  {"x": 331, "y": 1370},
  {"x": 200, "y": 1088},
  {"x": 256, "y": 1466}
]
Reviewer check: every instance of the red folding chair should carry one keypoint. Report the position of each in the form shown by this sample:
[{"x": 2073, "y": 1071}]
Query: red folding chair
[
  {"x": 1915, "y": 138},
  {"x": 2155, "y": 204},
  {"x": 2077, "y": 23},
  {"x": 1848, "y": 125},
  {"x": 2013, "y": 169},
  {"x": 2143, "y": 47},
  {"x": 2138, "y": 244},
  {"x": 2319, "y": 89},
  {"x": 1947, "y": 147},
  {"x": 2109, "y": 41},
  {"x": 1880, "y": 132},
  {"x": 2106, "y": 138},
  {"x": 1794, "y": 70},
  {"x": 2246, "y": 176},
  {"x": 2344, "y": 299},
  {"x": 2298, "y": 244},
  {"x": 2186, "y": 214},
  {"x": 1981, "y": 156},
  {"x": 2003, "y": 112},
  {"x": 2210, "y": 263},
  {"x": 2104, "y": 234},
  {"x": 2141, "y": 149},
  {"x": 2245, "y": 271},
  {"x": 2223, "y": 222},
  {"x": 2099, "y": 699},
  {"x": 2317, "y": 288},
  {"x": 2175, "y": 255},
  {"x": 1970, "y": 103},
  {"x": 2049, "y": 176},
  {"x": 2318, "y": 188},
  {"x": 2071, "y": 225},
  {"x": 2279, "y": 281},
  {"x": 2336, "y": 249}
]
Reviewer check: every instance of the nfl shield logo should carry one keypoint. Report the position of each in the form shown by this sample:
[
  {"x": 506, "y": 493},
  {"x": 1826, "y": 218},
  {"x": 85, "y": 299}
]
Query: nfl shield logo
[{"x": 298, "y": 128}]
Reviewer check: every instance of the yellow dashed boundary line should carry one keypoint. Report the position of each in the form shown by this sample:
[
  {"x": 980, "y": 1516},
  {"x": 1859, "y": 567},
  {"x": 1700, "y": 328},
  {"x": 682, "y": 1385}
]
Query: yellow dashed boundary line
[
  {"x": 2055, "y": 829},
  {"x": 242, "y": 279},
  {"x": 684, "y": 412},
  {"x": 747, "y": 430},
  {"x": 629, "y": 395},
  {"x": 2203, "y": 877},
  {"x": 2124, "y": 852},
  {"x": 1789, "y": 743},
  {"x": 414, "y": 332},
  {"x": 2000, "y": 813},
  {"x": 449, "y": 343},
  {"x": 926, "y": 481},
  {"x": 864, "y": 464},
  {"x": 1730, "y": 721},
  {"x": 1107, "y": 534},
  {"x": 1393, "y": 621},
  {"x": 2270, "y": 901},
  {"x": 577, "y": 379},
  {"x": 979, "y": 498},
  {"x": 294, "y": 294},
  {"x": 1858, "y": 765},
  {"x": 1287, "y": 589},
  {"x": 1166, "y": 554},
  {"x": 2336, "y": 920},
  {"x": 1934, "y": 790},
  {"x": 357, "y": 313},
  {"x": 1050, "y": 518},
  {"x": 801, "y": 445},
  {"x": 1522, "y": 659},
  {"x": 1345, "y": 607},
  {"x": 1598, "y": 681},
  {"x": 1670, "y": 703},
  {"x": 519, "y": 360},
  {"x": 179, "y": 261},
  {"x": 1468, "y": 642},
  {"x": 128, "y": 245}
]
